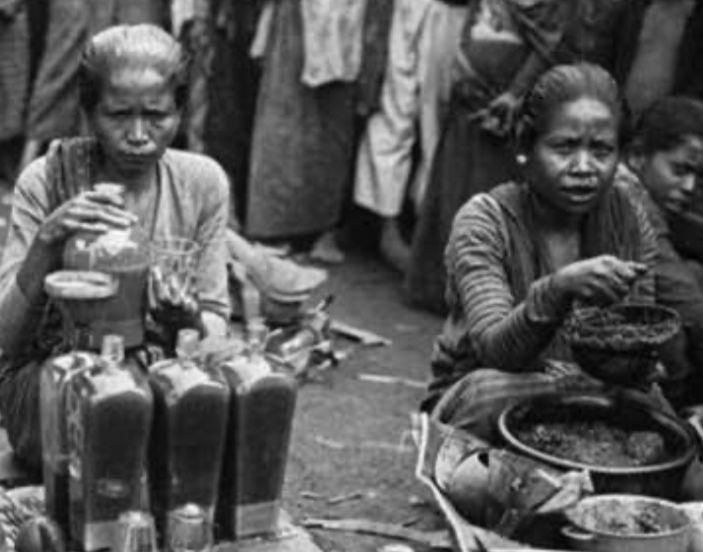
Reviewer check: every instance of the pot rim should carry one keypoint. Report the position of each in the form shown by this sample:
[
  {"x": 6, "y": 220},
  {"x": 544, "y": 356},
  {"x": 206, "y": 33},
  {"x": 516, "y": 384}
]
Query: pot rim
[
  {"x": 681, "y": 460},
  {"x": 624, "y": 497}
]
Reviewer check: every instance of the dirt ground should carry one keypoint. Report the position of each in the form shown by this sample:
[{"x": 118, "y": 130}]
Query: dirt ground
[{"x": 350, "y": 436}]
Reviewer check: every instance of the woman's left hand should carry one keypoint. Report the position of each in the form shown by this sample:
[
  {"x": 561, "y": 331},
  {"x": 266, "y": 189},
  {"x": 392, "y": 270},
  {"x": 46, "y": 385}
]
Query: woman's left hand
[
  {"x": 499, "y": 116},
  {"x": 173, "y": 302}
]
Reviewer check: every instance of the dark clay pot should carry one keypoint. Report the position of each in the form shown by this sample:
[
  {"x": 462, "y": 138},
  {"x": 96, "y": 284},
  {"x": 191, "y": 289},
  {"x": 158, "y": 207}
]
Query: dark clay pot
[{"x": 661, "y": 479}]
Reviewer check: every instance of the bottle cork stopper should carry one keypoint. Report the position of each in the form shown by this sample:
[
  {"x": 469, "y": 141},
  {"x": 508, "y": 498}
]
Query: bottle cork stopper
[
  {"x": 188, "y": 343},
  {"x": 108, "y": 187},
  {"x": 257, "y": 331}
]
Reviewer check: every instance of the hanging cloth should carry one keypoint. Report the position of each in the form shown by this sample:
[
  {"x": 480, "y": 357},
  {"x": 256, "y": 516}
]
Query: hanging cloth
[
  {"x": 14, "y": 68},
  {"x": 333, "y": 40}
]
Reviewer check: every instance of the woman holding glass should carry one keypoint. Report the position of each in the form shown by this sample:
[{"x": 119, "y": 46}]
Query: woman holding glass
[{"x": 132, "y": 88}]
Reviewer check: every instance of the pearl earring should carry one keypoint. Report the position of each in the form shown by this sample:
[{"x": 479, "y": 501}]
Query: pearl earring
[{"x": 521, "y": 159}]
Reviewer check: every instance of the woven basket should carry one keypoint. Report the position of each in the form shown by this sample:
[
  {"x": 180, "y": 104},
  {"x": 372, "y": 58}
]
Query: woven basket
[{"x": 619, "y": 344}]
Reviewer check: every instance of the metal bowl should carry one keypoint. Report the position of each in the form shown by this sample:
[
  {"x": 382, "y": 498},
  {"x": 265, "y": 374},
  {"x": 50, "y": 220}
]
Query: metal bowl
[
  {"x": 662, "y": 479},
  {"x": 595, "y": 518}
]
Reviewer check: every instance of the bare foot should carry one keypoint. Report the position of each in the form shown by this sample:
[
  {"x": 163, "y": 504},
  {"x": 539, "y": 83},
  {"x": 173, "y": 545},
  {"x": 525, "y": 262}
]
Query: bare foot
[
  {"x": 326, "y": 250},
  {"x": 392, "y": 246}
]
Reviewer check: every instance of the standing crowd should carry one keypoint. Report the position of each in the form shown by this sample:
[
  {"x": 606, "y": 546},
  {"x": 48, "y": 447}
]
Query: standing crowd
[
  {"x": 406, "y": 105},
  {"x": 544, "y": 152}
]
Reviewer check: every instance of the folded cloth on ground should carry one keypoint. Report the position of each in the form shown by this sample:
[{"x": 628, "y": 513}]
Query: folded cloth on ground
[{"x": 281, "y": 279}]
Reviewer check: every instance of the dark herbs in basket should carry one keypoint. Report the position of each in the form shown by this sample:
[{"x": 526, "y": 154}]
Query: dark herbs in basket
[
  {"x": 595, "y": 442},
  {"x": 638, "y": 328}
]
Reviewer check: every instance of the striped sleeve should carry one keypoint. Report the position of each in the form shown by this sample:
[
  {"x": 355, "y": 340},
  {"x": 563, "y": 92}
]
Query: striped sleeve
[
  {"x": 644, "y": 290},
  {"x": 504, "y": 334}
]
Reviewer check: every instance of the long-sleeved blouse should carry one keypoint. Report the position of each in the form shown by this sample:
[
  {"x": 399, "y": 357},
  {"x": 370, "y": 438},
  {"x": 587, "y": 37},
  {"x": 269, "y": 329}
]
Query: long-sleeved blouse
[
  {"x": 192, "y": 202},
  {"x": 504, "y": 309}
]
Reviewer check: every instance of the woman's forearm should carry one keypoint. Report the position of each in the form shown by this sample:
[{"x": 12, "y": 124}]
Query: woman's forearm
[
  {"x": 41, "y": 259},
  {"x": 22, "y": 296},
  {"x": 512, "y": 342}
]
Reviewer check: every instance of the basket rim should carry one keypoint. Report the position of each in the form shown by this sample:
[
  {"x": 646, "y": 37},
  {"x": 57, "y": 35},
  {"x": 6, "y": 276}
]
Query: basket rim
[{"x": 600, "y": 336}]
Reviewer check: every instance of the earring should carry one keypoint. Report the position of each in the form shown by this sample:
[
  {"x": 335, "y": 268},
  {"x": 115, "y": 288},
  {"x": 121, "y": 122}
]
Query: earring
[{"x": 521, "y": 159}]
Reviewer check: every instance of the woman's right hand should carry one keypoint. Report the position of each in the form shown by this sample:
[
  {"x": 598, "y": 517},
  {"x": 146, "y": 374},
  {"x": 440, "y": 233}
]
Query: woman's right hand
[
  {"x": 602, "y": 280},
  {"x": 95, "y": 211}
]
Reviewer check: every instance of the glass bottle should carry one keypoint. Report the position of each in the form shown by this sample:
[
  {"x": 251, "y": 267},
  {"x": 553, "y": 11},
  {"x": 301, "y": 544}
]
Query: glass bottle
[
  {"x": 135, "y": 532},
  {"x": 124, "y": 254},
  {"x": 262, "y": 406},
  {"x": 189, "y": 530},
  {"x": 191, "y": 401},
  {"x": 80, "y": 297},
  {"x": 108, "y": 413}
]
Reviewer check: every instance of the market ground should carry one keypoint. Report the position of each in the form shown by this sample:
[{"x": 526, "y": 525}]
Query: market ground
[
  {"x": 351, "y": 455},
  {"x": 350, "y": 435}
]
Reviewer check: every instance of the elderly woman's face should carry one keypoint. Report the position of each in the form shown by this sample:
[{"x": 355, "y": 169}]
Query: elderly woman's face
[
  {"x": 574, "y": 159},
  {"x": 136, "y": 119}
]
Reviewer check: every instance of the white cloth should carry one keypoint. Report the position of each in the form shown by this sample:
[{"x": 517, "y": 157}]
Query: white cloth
[
  {"x": 424, "y": 37},
  {"x": 259, "y": 44},
  {"x": 333, "y": 39},
  {"x": 183, "y": 11}
]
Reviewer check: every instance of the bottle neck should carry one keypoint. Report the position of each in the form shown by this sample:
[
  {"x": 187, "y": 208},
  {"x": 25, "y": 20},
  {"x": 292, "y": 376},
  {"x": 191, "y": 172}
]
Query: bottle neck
[
  {"x": 257, "y": 334},
  {"x": 188, "y": 345},
  {"x": 112, "y": 351}
]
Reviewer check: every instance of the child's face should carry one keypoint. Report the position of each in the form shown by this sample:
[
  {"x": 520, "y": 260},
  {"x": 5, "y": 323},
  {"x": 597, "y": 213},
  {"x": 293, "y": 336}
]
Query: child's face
[
  {"x": 670, "y": 175},
  {"x": 574, "y": 159}
]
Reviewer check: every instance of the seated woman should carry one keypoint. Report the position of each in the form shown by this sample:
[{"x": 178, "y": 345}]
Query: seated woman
[
  {"x": 522, "y": 254},
  {"x": 133, "y": 87},
  {"x": 666, "y": 155}
]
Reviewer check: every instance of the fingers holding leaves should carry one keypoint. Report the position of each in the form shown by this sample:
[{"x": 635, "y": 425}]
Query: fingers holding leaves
[{"x": 171, "y": 291}]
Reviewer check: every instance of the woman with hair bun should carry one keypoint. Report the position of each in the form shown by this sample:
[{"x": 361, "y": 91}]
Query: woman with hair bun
[
  {"x": 132, "y": 90},
  {"x": 520, "y": 255}
]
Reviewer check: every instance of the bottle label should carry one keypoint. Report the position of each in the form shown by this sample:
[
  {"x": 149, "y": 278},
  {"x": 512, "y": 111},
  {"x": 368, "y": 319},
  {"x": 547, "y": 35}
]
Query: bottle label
[
  {"x": 99, "y": 535},
  {"x": 75, "y": 433},
  {"x": 75, "y": 441},
  {"x": 111, "y": 488},
  {"x": 260, "y": 518}
]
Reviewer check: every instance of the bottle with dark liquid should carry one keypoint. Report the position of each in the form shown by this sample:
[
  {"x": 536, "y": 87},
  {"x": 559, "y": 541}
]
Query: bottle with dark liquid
[
  {"x": 81, "y": 297},
  {"x": 191, "y": 401},
  {"x": 55, "y": 375},
  {"x": 108, "y": 413},
  {"x": 260, "y": 421},
  {"x": 123, "y": 254}
]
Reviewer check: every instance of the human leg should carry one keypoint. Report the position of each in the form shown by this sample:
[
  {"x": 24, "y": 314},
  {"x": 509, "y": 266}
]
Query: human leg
[{"x": 384, "y": 161}]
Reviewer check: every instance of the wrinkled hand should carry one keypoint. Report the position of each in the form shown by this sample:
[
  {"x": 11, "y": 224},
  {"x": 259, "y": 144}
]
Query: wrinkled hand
[
  {"x": 499, "y": 116},
  {"x": 601, "y": 280},
  {"x": 91, "y": 211},
  {"x": 173, "y": 302}
]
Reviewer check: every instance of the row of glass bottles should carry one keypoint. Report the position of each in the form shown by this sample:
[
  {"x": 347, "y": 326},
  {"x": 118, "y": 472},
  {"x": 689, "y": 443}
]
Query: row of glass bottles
[{"x": 215, "y": 436}]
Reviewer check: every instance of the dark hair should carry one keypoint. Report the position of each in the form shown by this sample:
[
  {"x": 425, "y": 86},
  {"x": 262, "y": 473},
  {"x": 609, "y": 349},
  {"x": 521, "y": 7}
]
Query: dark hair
[
  {"x": 144, "y": 45},
  {"x": 666, "y": 123},
  {"x": 562, "y": 84}
]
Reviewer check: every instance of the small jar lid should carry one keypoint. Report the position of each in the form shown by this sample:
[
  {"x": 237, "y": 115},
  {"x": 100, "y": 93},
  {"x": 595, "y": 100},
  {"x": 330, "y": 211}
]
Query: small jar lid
[{"x": 80, "y": 284}]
